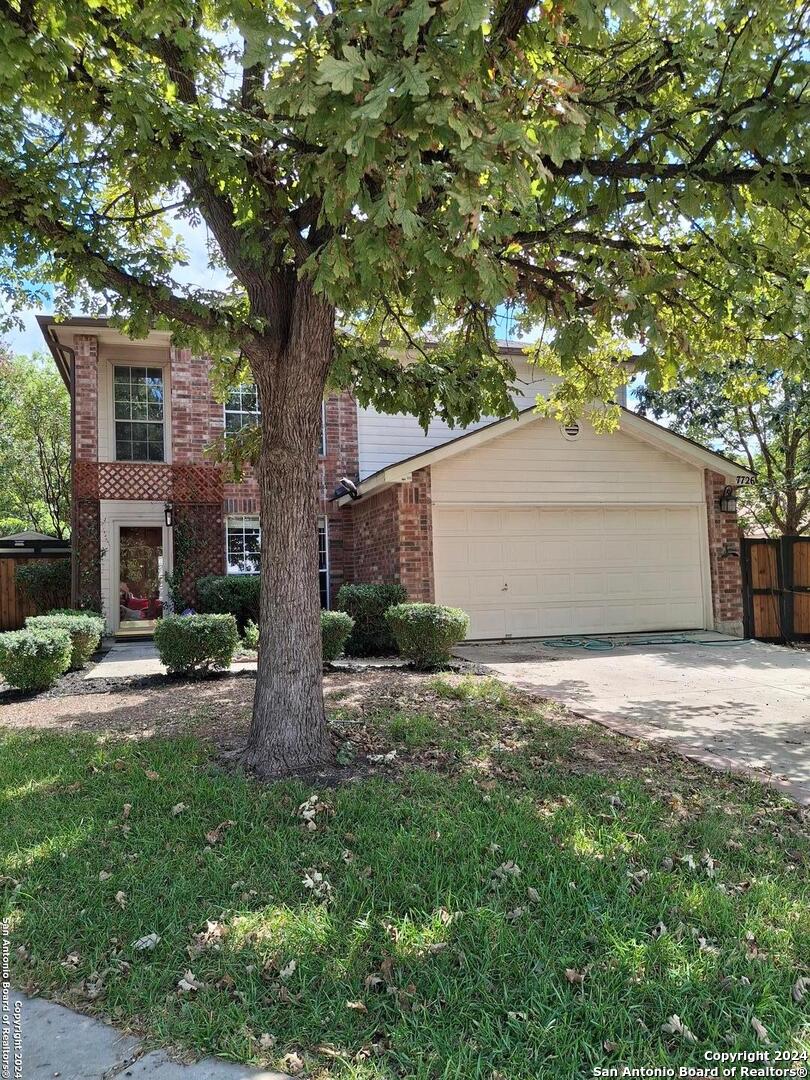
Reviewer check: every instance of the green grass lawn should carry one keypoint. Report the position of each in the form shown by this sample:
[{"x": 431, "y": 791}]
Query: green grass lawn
[{"x": 521, "y": 897}]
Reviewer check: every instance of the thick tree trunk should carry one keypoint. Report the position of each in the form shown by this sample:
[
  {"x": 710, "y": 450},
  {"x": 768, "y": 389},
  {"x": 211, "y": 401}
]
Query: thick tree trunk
[{"x": 288, "y": 733}]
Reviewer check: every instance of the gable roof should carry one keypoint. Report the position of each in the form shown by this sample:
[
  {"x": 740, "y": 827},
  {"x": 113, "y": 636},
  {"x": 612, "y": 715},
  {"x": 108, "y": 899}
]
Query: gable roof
[{"x": 630, "y": 424}]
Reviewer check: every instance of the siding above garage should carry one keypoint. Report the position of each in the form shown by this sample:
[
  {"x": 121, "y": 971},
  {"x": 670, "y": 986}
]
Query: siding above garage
[
  {"x": 383, "y": 439},
  {"x": 536, "y": 464}
]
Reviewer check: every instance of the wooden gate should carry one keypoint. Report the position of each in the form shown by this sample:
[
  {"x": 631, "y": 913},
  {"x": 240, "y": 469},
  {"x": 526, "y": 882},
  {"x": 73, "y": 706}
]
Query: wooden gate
[{"x": 776, "y": 588}]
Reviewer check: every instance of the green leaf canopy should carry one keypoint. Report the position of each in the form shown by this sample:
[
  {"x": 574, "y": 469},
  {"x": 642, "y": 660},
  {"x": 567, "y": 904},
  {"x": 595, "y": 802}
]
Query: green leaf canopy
[{"x": 632, "y": 172}]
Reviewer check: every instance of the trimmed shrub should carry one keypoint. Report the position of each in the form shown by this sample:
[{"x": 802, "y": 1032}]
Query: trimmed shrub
[
  {"x": 76, "y": 611},
  {"x": 426, "y": 633},
  {"x": 45, "y": 584},
  {"x": 367, "y": 605},
  {"x": 335, "y": 629},
  {"x": 250, "y": 637},
  {"x": 230, "y": 594},
  {"x": 33, "y": 659},
  {"x": 194, "y": 644},
  {"x": 85, "y": 633}
]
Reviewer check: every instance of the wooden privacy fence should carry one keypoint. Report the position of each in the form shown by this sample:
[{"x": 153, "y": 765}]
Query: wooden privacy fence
[
  {"x": 17, "y": 551},
  {"x": 776, "y": 588}
]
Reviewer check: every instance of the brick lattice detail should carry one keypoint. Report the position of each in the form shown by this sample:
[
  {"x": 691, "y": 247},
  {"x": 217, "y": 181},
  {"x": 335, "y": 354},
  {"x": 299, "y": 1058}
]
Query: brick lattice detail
[
  {"x": 725, "y": 569},
  {"x": 134, "y": 480},
  {"x": 197, "y": 484},
  {"x": 392, "y": 537},
  {"x": 207, "y": 555},
  {"x": 87, "y": 552},
  {"x": 85, "y": 480},
  {"x": 138, "y": 480}
]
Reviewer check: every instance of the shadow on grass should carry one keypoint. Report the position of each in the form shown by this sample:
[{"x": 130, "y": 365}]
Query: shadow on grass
[{"x": 449, "y": 911}]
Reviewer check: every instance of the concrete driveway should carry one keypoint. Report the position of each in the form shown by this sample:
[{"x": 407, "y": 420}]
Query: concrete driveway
[{"x": 734, "y": 705}]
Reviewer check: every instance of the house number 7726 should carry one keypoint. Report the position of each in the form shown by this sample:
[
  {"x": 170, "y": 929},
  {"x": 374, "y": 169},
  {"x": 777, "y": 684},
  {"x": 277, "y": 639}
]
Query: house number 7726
[{"x": 746, "y": 481}]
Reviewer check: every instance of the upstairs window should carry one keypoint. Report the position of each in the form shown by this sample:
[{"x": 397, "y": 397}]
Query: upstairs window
[
  {"x": 241, "y": 408},
  {"x": 138, "y": 400}
]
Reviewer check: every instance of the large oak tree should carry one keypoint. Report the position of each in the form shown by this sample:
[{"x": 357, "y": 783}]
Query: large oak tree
[{"x": 394, "y": 171}]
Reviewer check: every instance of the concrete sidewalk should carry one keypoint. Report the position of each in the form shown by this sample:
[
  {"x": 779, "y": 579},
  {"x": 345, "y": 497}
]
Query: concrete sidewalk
[
  {"x": 55, "y": 1042},
  {"x": 135, "y": 659}
]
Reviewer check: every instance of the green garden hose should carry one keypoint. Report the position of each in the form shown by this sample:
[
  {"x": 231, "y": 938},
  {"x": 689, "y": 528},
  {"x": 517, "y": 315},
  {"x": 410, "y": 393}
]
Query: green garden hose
[{"x": 603, "y": 644}]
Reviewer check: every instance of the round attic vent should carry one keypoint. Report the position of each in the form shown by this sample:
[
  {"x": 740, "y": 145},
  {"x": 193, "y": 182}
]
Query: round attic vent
[{"x": 570, "y": 431}]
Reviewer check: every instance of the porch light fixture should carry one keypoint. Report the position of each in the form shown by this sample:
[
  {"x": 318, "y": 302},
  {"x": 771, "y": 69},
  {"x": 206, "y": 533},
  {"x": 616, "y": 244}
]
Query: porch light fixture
[
  {"x": 728, "y": 500},
  {"x": 168, "y": 515}
]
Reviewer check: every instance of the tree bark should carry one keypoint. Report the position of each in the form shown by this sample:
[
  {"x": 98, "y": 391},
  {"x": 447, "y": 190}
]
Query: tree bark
[{"x": 288, "y": 733}]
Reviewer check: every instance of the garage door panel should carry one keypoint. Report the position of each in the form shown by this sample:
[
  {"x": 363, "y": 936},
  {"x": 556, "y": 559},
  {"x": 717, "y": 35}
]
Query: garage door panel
[
  {"x": 522, "y": 554},
  {"x": 538, "y": 572}
]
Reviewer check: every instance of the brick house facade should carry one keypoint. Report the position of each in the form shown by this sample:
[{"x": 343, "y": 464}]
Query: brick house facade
[{"x": 390, "y": 533}]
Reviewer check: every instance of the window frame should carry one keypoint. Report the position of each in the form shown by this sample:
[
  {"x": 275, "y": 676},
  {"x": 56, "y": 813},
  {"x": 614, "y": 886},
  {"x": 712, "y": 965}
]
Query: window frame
[
  {"x": 324, "y": 571},
  {"x": 249, "y": 412},
  {"x": 165, "y": 424},
  {"x": 230, "y": 527},
  {"x": 226, "y": 409}
]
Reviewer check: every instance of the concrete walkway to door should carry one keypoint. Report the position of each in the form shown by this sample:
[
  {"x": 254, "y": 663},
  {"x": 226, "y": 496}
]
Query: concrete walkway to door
[{"x": 734, "y": 705}]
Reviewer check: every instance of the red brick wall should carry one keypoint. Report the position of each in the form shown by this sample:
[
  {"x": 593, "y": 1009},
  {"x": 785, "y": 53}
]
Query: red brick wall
[
  {"x": 86, "y": 397},
  {"x": 341, "y": 459},
  {"x": 726, "y": 573},
  {"x": 196, "y": 418},
  {"x": 393, "y": 537},
  {"x": 375, "y": 535}
]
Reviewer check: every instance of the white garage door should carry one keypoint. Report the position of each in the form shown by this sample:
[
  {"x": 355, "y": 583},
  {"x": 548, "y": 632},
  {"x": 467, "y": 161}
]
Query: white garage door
[{"x": 526, "y": 571}]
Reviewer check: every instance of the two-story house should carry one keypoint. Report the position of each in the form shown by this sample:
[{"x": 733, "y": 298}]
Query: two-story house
[{"x": 533, "y": 528}]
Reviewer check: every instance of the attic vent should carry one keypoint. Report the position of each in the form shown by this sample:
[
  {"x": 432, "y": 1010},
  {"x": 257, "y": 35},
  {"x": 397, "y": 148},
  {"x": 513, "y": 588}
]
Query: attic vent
[{"x": 570, "y": 431}]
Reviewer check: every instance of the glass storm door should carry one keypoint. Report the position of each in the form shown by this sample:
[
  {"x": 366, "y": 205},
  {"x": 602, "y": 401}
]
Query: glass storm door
[{"x": 140, "y": 576}]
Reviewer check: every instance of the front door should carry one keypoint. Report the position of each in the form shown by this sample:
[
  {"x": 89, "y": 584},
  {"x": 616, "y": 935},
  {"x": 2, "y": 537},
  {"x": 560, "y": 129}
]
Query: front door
[{"x": 140, "y": 578}]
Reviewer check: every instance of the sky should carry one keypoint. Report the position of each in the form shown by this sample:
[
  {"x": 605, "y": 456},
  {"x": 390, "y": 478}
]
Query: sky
[{"x": 198, "y": 272}]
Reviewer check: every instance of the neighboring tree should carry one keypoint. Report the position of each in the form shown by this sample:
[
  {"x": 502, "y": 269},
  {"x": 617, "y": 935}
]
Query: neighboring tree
[
  {"x": 399, "y": 170},
  {"x": 759, "y": 414},
  {"x": 34, "y": 445}
]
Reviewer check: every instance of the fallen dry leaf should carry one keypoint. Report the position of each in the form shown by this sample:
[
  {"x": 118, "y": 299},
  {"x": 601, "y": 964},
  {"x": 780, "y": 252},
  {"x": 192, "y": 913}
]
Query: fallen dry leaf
[
  {"x": 288, "y": 969},
  {"x": 267, "y": 1041},
  {"x": 188, "y": 983},
  {"x": 126, "y": 810},
  {"x": 292, "y": 1063},
  {"x": 121, "y": 898},
  {"x": 800, "y": 988},
  {"x": 387, "y": 969},
  {"x": 676, "y": 1026},
  {"x": 215, "y": 835},
  {"x": 103, "y": 875},
  {"x": 150, "y": 774},
  {"x": 178, "y": 808},
  {"x": 148, "y": 941},
  {"x": 576, "y": 978},
  {"x": 357, "y": 1006},
  {"x": 759, "y": 1029}
]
